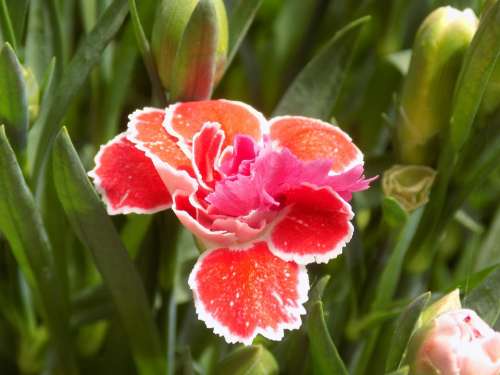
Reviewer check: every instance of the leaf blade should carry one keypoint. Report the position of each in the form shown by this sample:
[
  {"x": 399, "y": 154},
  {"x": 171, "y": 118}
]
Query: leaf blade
[
  {"x": 96, "y": 230},
  {"x": 21, "y": 223},
  {"x": 323, "y": 351},
  {"x": 315, "y": 90},
  {"x": 14, "y": 99},
  {"x": 479, "y": 64},
  {"x": 87, "y": 55}
]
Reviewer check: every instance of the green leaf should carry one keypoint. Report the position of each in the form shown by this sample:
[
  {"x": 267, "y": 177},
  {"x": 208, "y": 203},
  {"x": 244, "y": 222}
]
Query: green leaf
[
  {"x": 13, "y": 99},
  {"x": 96, "y": 230},
  {"x": 39, "y": 33},
  {"x": 18, "y": 11},
  {"x": 485, "y": 298},
  {"x": 316, "y": 88},
  {"x": 21, "y": 223},
  {"x": 394, "y": 213},
  {"x": 490, "y": 251},
  {"x": 316, "y": 293},
  {"x": 193, "y": 75},
  {"x": 325, "y": 356},
  {"x": 87, "y": 55},
  {"x": 389, "y": 279},
  {"x": 479, "y": 63},
  {"x": 6, "y": 25},
  {"x": 145, "y": 49},
  {"x": 403, "y": 330},
  {"x": 124, "y": 62},
  {"x": 240, "y": 18},
  {"x": 249, "y": 360},
  {"x": 402, "y": 371}
]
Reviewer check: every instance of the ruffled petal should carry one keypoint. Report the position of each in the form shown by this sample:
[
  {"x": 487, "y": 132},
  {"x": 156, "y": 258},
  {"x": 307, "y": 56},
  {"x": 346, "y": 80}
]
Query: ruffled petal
[
  {"x": 314, "y": 227},
  {"x": 311, "y": 139},
  {"x": 146, "y": 131},
  {"x": 194, "y": 218},
  {"x": 127, "y": 179},
  {"x": 184, "y": 120},
  {"x": 241, "y": 294},
  {"x": 207, "y": 145}
]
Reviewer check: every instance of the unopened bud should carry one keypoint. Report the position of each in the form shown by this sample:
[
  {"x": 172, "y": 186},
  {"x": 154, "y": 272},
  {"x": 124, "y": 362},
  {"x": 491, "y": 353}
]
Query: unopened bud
[
  {"x": 437, "y": 56},
  {"x": 168, "y": 32}
]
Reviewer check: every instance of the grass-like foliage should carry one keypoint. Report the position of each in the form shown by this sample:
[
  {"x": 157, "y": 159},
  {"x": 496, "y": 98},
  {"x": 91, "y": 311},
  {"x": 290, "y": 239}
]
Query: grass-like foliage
[{"x": 416, "y": 87}]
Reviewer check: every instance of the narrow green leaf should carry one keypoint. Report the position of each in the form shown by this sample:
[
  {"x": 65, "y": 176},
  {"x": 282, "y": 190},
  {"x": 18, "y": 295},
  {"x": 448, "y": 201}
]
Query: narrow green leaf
[
  {"x": 402, "y": 371},
  {"x": 18, "y": 11},
  {"x": 389, "y": 279},
  {"x": 87, "y": 55},
  {"x": 316, "y": 293},
  {"x": 403, "y": 330},
  {"x": 13, "y": 99},
  {"x": 485, "y": 298},
  {"x": 325, "y": 356},
  {"x": 490, "y": 251},
  {"x": 193, "y": 75},
  {"x": 249, "y": 360},
  {"x": 6, "y": 25},
  {"x": 241, "y": 17},
  {"x": 39, "y": 49},
  {"x": 316, "y": 88},
  {"x": 145, "y": 49},
  {"x": 479, "y": 63},
  {"x": 96, "y": 230},
  {"x": 393, "y": 212},
  {"x": 21, "y": 223},
  {"x": 125, "y": 57}
]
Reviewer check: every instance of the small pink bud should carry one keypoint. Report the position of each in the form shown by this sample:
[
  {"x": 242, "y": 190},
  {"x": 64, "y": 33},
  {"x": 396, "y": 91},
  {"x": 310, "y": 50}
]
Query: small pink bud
[{"x": 457, "y": 342}]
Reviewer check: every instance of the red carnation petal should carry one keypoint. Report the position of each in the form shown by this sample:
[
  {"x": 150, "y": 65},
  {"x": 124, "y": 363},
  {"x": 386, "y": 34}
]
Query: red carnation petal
[
  {"x": 146, "y": 130},
  {"x": 241, "y": 294},
  {"x": 311, "y": 139},
  {"x": 207, "y": 146},
  {"x": 184, "y": 120},
  {"x": 128, "y": 180},
  {"x": 315, "y": 227}
]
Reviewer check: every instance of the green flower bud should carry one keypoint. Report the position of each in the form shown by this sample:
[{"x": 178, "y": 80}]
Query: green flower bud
[
  {"x": 427, "y": 94},
  {"x": 249, "y": 360},
  {"x": 168, "y": 31},
  {"x": 409, "y": 185}
]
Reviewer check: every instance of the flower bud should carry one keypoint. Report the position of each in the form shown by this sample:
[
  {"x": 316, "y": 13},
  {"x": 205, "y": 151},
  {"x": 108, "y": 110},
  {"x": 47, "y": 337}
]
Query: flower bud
[
  {"x": 437, "y": 56},
  {"x": 168, "y": 31},
  {"x": 409, "y": 185},
  {"x": 457, "y": 342},
  {"x": 250, "y": 360}
]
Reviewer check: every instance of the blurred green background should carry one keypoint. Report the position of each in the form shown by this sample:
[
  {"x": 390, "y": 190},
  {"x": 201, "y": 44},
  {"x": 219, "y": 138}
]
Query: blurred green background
[{"x": 83, "y": 293}]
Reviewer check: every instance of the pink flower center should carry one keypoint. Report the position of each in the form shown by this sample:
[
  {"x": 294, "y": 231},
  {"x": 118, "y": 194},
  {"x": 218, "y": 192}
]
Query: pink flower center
[{"x": 256, "y": 176}]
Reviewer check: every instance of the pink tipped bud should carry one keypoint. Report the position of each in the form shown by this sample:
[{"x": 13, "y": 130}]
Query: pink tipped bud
[{"x": 457, "y": 342}]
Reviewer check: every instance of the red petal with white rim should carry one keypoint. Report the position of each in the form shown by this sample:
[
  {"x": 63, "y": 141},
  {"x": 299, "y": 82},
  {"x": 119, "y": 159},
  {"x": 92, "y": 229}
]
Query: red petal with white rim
[
  {"x": 127, "y": 179},
  {"x": 184, "y": 120},
  {"x": 207, "y": 146},
  {"x": 315, "y": 226},
  {"x": 146, "y": 130},
  {"x": 241, "y": 294},
  {"x": 311, "y": 139}
]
